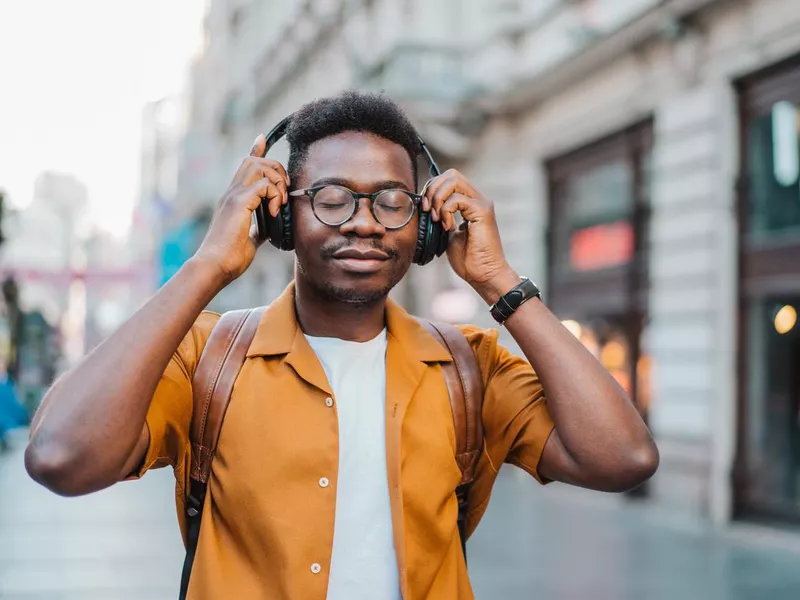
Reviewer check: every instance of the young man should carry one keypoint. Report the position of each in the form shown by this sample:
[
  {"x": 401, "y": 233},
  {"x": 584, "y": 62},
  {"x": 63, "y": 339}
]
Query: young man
[{"x": 335, "y": 473}]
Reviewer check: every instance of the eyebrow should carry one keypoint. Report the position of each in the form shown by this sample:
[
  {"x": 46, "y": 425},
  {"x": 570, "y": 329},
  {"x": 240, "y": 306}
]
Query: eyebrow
[{"x": 381, "y": 185}]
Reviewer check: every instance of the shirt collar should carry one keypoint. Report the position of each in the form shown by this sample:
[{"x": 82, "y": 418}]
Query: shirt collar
[{"x": 279, "y": 333}]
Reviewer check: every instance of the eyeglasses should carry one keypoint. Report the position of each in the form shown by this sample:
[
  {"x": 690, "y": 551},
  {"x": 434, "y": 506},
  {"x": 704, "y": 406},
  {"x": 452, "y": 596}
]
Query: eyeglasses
[{"x": 334, "y": 205}]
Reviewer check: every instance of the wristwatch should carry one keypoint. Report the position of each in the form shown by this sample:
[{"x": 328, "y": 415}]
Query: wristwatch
[{"x": 511, "y": 301}]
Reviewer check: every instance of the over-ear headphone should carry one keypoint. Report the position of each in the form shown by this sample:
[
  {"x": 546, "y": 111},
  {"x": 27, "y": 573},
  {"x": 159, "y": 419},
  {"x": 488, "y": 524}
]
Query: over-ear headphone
[{"x": 431, "y": 236}]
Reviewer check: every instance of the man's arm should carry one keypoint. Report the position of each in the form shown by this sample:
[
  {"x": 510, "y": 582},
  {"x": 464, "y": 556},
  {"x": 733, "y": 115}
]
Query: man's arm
[
  {"x": 600, "y": 441},
  {"x": 90, "y": 431}
]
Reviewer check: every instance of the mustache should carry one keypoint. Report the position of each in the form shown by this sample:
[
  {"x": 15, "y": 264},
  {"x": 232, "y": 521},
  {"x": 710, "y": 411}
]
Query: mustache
[{"x": 328, "y": 251}]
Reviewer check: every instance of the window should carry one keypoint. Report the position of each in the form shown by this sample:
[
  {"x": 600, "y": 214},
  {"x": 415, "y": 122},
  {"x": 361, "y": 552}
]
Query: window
[
  {"x": 767, "y": 466},
  {"x": 599, "y": 198},
  {"x": 773, "y": 172}
]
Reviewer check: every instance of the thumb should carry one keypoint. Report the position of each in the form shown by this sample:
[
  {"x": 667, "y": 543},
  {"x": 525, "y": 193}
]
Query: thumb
[{"x": 259, "y": 146}]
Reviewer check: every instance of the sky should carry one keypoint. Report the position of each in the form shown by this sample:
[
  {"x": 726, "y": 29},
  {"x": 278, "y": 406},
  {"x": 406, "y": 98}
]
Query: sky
[{"x": 74, "y": 77}]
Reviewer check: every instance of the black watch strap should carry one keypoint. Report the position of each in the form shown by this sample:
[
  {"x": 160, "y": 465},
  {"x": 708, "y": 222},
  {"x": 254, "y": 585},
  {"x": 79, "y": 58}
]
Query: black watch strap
[{"x": 511, "y": 301}]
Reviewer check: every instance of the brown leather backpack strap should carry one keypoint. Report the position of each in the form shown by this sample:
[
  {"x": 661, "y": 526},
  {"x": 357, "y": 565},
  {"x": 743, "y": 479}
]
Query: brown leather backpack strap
[
  {"x": 212, "y": 384},
  {"x": 465, "y": 386}
]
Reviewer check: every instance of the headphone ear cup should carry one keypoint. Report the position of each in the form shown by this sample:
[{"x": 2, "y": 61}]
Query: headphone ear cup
[
  {"x": 280, "y": 227},
  {"x": 431, "y": 239},
  {"x": 422, "y": 238},
  {"x": 260, "y": 214}
]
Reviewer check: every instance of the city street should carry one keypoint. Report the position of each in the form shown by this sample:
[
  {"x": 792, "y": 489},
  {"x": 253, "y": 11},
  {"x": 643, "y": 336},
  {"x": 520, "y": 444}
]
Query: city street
[{"x": 553, "y": 544}]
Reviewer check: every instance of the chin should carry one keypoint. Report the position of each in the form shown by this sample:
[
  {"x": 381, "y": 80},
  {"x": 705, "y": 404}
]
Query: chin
[{"x": 354, "y": 288}]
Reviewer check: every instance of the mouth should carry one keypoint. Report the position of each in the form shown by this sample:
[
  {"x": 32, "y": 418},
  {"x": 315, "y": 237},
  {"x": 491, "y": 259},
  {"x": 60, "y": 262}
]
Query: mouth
[{"x": 360, "y": 261}]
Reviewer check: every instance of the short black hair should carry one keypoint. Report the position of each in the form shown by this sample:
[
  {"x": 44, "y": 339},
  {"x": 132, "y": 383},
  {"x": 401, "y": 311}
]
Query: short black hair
[{"x": 349, "y": 111}]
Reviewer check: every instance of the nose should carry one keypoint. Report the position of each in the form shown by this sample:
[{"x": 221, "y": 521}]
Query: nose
[{"x": 363, "y": 222}]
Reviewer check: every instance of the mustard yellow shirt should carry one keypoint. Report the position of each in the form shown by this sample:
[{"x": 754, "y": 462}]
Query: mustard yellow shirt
[{"x": 267, "y": 520}]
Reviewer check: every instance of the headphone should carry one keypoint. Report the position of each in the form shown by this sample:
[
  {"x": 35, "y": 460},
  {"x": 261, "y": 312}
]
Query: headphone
[{"x": 431, "y": 236}]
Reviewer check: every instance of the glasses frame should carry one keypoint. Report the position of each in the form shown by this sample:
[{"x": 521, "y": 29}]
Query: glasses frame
[{"x": 416, "y": 199}]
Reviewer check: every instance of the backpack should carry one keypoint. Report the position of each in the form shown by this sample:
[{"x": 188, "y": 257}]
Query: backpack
[{"x": 219, "y": 366}]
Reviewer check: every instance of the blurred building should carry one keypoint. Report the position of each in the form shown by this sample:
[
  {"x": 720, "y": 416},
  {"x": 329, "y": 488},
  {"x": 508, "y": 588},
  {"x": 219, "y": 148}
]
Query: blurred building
[
  {"x": 40, "y": 257},
  {"x": 44, "y": 243},
  {"x": 643, "y": 159},
  {"x": 162, "y": 133},
  {"x": 117, "y": 279}
]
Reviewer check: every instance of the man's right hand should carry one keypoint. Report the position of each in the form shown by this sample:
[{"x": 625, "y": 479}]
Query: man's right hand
[{"x": 231, "y": 242}]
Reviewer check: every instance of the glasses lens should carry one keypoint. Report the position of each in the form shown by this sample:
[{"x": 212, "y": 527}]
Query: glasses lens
[
  {"x": 393, "y": 208},
  {"x": 333, "y": 205}
]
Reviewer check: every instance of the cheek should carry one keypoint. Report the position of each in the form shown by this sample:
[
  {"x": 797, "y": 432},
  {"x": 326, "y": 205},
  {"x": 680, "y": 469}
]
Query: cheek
[
  {"x": 307, "y": 235},
  {"x": 409, "y": 240}
]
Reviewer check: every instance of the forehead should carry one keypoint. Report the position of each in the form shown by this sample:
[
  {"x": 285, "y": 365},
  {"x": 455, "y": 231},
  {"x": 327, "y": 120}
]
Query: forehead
[{"x": 362, "y": 158}]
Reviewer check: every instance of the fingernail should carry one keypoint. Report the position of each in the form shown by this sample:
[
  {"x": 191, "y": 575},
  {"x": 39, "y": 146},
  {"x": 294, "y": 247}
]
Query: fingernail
[
  {"x": 434, "y": 214},
  {"x": 255, "y": 141}
]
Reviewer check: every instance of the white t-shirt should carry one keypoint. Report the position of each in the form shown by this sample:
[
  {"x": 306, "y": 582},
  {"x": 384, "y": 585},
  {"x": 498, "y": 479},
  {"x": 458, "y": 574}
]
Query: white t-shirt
[{"x": 364, "y": 563}]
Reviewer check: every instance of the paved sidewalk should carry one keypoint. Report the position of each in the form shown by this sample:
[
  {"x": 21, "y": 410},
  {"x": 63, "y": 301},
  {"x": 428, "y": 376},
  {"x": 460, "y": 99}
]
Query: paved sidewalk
[
  {"x": 534, "y": 543},
  {"x": 562, "y": 543},
  {"x": 119, "y": 544}
]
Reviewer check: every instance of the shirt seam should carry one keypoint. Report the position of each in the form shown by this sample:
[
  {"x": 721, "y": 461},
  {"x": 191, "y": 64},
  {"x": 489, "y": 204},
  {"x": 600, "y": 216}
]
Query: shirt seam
[{"x": 495, "y": 470}]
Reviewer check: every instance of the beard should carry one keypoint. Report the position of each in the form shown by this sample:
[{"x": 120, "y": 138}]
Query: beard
[
  {"x": 355, "y": 295},
  {"x": 350, "y": 296}
]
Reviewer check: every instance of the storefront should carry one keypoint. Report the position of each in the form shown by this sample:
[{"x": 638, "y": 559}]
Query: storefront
[
  {"x": 599, "y": 198},
  {"x": 767, "y": 471}
]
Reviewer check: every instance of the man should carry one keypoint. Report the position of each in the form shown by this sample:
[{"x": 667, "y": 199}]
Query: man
[{"x": 335, "y": 474}]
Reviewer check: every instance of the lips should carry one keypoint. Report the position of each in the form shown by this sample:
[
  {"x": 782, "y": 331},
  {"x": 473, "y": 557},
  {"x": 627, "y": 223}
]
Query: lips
[
  {"x": 355, "y": 253},
  {"x": 360, "y": 261}
]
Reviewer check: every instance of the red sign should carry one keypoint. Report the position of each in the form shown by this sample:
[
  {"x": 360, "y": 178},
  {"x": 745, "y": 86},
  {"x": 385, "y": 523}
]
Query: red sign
[{"x": 601, "y": 246}]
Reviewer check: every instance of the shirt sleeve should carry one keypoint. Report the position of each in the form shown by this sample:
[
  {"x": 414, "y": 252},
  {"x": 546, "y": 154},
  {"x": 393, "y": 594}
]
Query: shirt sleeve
[
  {"x": 170, "y": 414},
  {"x": 516, "y": 419}
]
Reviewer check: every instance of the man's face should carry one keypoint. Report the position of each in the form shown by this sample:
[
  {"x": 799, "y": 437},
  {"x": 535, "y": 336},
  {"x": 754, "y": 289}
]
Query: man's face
[{"x": 327, "y": 256}]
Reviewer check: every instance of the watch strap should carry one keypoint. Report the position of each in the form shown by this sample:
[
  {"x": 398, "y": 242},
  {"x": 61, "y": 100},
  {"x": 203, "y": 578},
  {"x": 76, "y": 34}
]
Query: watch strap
[{"x": 509, "y": 302}]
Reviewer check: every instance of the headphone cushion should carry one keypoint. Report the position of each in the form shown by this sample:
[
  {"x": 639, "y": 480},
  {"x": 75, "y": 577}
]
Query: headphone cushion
[
  {"x": 287, "y": 236},
  {"x": 280, "y": 228},
  {"x": 422, "y": 235},
  {"x": 431, "y": 239}
]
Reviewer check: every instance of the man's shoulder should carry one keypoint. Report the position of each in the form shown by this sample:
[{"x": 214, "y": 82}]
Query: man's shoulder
[
  {"x": 206, "y": 322},
  {"x": 483, "y": 341},
  {"x": 478, "y": 335},
  {"x": 191, "y": 347}
]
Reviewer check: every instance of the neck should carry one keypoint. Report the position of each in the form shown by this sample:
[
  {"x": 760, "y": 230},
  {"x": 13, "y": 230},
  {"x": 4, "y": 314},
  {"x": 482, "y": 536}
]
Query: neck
[{"x": 321, "y": 316}]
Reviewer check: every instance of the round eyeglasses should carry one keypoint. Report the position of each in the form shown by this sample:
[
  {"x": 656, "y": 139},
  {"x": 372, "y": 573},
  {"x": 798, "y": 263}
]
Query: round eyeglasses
[{"x": 334, "y": 205}]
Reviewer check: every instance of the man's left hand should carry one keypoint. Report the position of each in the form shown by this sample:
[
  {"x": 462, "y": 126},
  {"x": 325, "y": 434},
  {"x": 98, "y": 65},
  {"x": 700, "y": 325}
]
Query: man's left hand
[{"x": 475, "y": 250}]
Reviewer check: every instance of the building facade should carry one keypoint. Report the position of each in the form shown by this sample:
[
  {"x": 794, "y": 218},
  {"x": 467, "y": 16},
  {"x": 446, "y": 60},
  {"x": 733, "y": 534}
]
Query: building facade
[{"x": 643, "y": 159}]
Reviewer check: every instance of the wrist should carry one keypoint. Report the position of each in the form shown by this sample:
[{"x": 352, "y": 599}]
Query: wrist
[
  {"x": 206, "y": 275},
  {"x": 493, "y": 288}
]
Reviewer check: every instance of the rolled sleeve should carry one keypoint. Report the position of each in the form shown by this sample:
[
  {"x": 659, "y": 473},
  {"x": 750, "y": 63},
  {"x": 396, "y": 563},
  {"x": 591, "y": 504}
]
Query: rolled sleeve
[
  {"x": 517, "y": 422},
  {"x": 170, "y": 413}
]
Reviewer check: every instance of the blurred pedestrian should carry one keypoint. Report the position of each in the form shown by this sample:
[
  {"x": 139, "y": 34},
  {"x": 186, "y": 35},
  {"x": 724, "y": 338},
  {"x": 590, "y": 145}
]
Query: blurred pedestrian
[{"x": 335, "y": 472}]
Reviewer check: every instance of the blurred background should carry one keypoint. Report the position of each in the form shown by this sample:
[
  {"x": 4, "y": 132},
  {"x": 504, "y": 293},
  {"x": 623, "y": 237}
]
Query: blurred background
[{"x": 644, "y": 159}]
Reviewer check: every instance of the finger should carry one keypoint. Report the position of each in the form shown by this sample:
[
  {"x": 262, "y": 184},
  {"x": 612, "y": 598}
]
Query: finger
[
  {"x": 455, "y": 184},
  {"x": 471, "y": 209},
  {"x": 259, "y": 146},
  {"x": 265, "y": 189},
  {"x": 278, "y": 166},
  {"x": 430, "y": 190},
  {"x": 258, "y": 168},
  {"x": 253, "y": 233},
  {"x": 435, "y": 194},
  {"x": 426, "y": 203},
  {"x": 256, "y": 162}
]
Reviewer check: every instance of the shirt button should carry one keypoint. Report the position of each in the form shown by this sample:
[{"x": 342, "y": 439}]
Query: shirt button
[
  {"x": 323, "y": 482},
  {"x": 315, "y": 568},
  {"x": 328, "y": 402}
]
